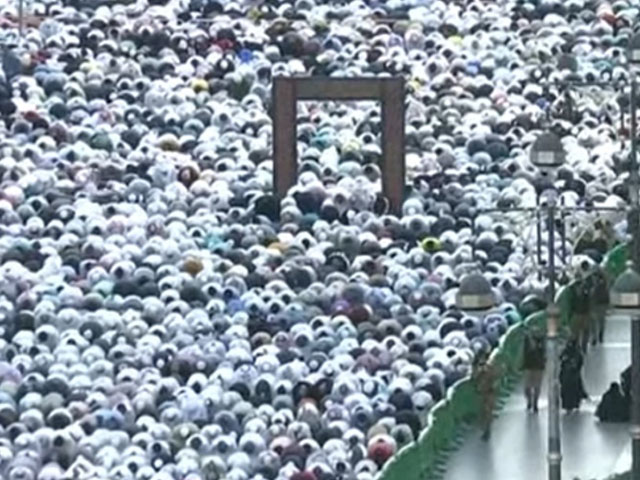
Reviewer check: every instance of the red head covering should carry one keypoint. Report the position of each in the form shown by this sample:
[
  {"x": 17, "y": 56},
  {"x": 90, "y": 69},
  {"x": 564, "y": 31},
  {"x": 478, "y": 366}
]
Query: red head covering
[{"x": 305, "y": 475}]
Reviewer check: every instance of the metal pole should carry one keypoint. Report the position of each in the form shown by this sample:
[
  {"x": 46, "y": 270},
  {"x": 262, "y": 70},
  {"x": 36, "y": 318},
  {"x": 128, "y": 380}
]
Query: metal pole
[
  {"x": 539, "y": 235},
  {"x": 635, "y": 397},
  {"x": 633, "y": 180},
  {"x": 20, "y": 18},
  {"x": 554, "y": 455},
  {"x": 563, "y": 233},
  {"x": 510, "y": 210},
  {"x": 551, "y": 227},
  {"x": 633, "y": 223},
  {"x": 595, "y": 209},
  {"x": 569, "y": 106},
  {"x": 621, "y": 134},
  {"x": 473, "y": 238},
  {"x": 547, "y": 109}
]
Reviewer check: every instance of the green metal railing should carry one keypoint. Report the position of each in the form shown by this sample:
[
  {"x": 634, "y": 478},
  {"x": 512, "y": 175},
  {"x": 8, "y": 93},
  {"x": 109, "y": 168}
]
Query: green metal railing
[{"x": 424, "y": 459}]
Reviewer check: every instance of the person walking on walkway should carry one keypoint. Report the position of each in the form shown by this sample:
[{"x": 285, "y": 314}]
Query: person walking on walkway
[
  {"x": 599, "y": 305},
  {"x": 572, "y": 390},
  {"x": 533, "y": 362},
  {"x": 485, "y": 375},
  {"x": 580, "y": 311}
]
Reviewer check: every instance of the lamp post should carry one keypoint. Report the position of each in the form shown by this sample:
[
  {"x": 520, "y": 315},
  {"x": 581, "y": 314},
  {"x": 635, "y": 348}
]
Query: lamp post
[
  {"x": 547, "y": 153},
  {"x": 625, "y": 298},
  {"x": 633, "y": 58},
  {"x": 475, "y": 294},
  {"x": 625, "y": 293}
]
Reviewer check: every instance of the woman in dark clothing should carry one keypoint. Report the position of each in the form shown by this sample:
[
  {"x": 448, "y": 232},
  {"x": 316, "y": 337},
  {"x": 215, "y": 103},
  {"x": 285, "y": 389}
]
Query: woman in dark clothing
[
  {"x": 580, "y": 312},
  {"x": 613, "y": 406},
  {"x": 572, "y": 390},
  {"x": 533, "y": 361}
]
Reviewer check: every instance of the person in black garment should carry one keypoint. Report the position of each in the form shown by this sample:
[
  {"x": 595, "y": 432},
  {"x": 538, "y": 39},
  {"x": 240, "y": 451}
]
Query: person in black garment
[
  {"x": 613, "y": 407},
  {"x": 572, "y": 390},
  {"x": 533, "y": 363}
]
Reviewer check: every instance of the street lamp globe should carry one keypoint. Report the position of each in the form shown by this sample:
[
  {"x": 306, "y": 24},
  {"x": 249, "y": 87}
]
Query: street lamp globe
[
  {"x": 475, "y": 294},
  {"x": 625, "y": 292},
  {"x": 633, "y": 49},
  {"x": 547, "y": 152}
]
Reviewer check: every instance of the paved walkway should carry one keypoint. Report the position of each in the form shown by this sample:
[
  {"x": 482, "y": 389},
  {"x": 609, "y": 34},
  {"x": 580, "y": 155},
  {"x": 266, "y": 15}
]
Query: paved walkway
[{"x": 518, "y": 444}]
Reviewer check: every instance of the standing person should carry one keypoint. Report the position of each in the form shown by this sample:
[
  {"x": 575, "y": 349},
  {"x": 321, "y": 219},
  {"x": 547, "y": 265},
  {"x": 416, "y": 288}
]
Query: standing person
[
  {"x": 533, "y": 362},
  {"x": 572, "y": 390},
  {"x": 485, "y": 376},
  {"x": 580, "y": 311},
  {"x": 599, "y": 305}
]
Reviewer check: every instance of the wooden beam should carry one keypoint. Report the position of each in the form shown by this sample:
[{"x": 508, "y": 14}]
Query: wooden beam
[
  {"x": 310, "y": 88},
  {"x": 284, "y": 135},
  {"x": 393, "y": 161}
]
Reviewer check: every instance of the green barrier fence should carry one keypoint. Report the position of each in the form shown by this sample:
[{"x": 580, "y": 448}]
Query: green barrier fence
[{"x": 424, "y": 459}]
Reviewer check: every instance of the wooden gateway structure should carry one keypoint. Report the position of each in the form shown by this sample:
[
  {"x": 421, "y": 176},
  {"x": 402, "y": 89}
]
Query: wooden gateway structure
[{"x": 388, "y": 91}]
